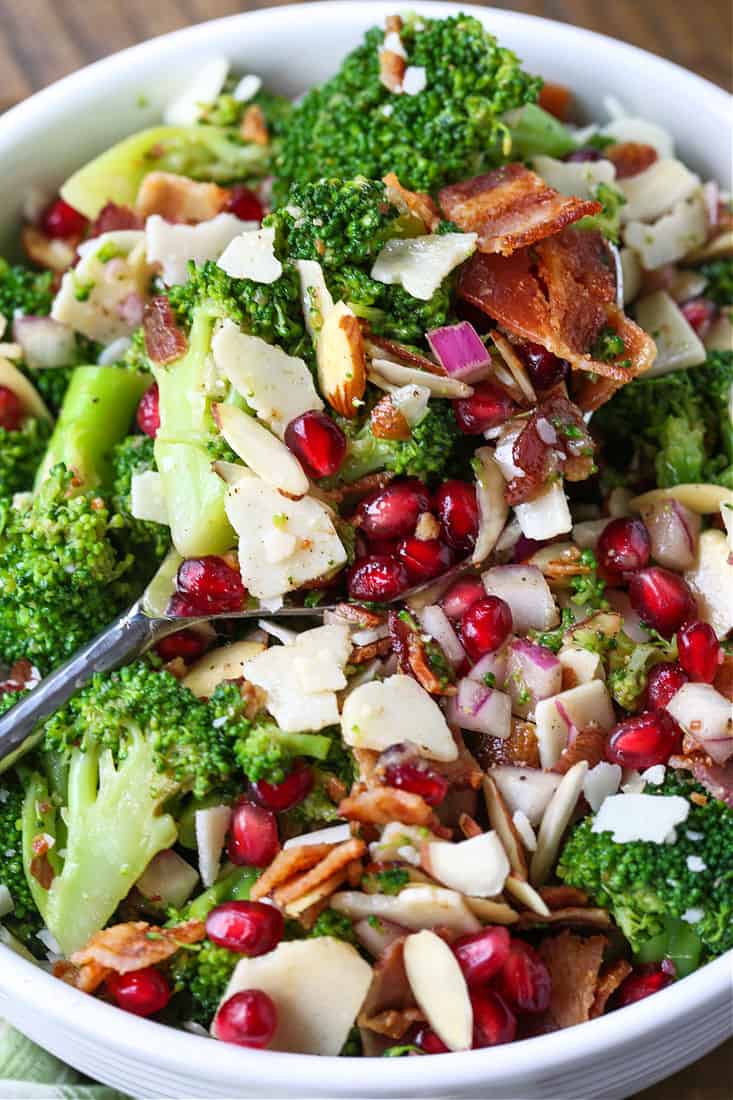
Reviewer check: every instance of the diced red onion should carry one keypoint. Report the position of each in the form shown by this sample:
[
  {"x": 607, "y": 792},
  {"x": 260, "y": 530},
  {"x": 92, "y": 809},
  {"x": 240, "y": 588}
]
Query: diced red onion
[
  {"x": 45, "y": 342},
  {"x": 527, "y": 593},
  {"x": 460, "y": 351},
  {"x": 546, "y": 432},
  {"x": 480, "y": 709},
  {"x": 435, "y": 622},
  {"x": 491, "y": 665},
  {"x": 533, "y": 671},
  {"x": 673, "y": 532}
]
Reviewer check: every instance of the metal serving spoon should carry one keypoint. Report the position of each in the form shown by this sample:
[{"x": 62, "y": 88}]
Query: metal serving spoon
[{"x": 136, "y": 630}]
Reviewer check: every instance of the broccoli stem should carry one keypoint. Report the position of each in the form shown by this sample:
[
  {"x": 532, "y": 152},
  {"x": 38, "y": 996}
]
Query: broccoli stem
[
  {"x": 194, "y": 494},
  {"x": 234, "y": 886},
  {"x": 95, "y": 415}
]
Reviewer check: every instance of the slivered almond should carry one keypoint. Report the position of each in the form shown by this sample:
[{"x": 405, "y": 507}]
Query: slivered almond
[
  {"x": 555, "y": 821},
  {"x": 334, "y": 862},
  {"x": 387, "y": 421},
  {"x": 522, "y": 891},
  {"x": 253, "y": 126},
  {"x": 341, "y": 361},
  {"x": 491, "y": 912},
  {"x": 286, "y": 864},
  {"x": 501, "y": 820},
  {"x": 261, "y": 449},
  {"x": 516, "y": 367}
]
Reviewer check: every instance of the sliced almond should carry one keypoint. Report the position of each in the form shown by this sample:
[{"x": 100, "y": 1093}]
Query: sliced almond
[
  {"x": 25, "y": 391},
  {"x": 527, "y": 895},
  {"x": 439, "y": 988},
  {"x": 263, "y": 452},
  {"x": 387, "y": 422},
  {"x": 341, "y": 361},
  {"x": 515, "y": 365},
  {"x": 415, "y": 907},
  {"x": 397, "y": 374},
  {"x": 555, "y": 821},
  {"x": 211, "y": 826},
  {"x": 492, "y": 506},
  {"x": 501, "y": 820},
  {"x": 492, "y": 912}
]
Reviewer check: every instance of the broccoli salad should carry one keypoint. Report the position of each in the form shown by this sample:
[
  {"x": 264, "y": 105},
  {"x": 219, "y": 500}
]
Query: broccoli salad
[{"x": 425, "y": 352}]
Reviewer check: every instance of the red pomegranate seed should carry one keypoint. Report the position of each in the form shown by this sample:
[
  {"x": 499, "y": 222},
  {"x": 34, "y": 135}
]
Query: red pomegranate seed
[
  {"x": 699, "y": 314},
  {"x": 148, "y": 411},
  {"x": 461, "y": 595},
  {"x": 428, "y": 1041},
  {"x": 142, "y": 992},
  {"x": 283, "y": 796},
  {"x": 179, "y": 606},
  {"x": 700, "y": 652},
  {"x": 524, "y": 548},
  {"x": 544, "y": 368},
  {"x": 486, "y": 625},
  {"x": 248, "y": 1019},
  {"x": 379, "y": 578},
  {"x": 644, "y": 740},
  {"x": 247, "y": 927},
  {"x": 582, "y": 155},
  {"x": 317, "y": 442},
  {"x": 11, "y": 410},
  {"x": 642, "y": 983},
  {"x": 61, "y": 220},
  {"x": 493, "y": 1021},
  {"x": 245, "y": 205},
  {"x": 184, "y": 643},
  {"x": 623, "y": 547},
  {"x": 211, "y": 585},
  {"x": 393, "y": 512},
  {"x": 253, "y": 839},
  {"x": 482, "y": 954},
  {"x": 424, "y": 558},
  {"x": 487, "y": 407},
  {"x": 664, "y": 681},
  {"x": 457, "y": 510},
  {"x": 661, "y": 599},
  {"x": 524, "y": 981},
  {"x": 418, "y": 778}
]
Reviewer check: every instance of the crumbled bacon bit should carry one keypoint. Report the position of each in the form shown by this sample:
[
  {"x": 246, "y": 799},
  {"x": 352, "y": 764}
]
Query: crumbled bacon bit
[
  {"x": 412, "y": 202},
  {"x": 40, "y": 868},
  {"x": 137, "y": 944},
  {"x": 164, "y": 341},
  {"x": 609, "y": 981},
  {"x": 380, "y": 805},
  {"x": 356, "y": 615},
  {"x": 253, "y": 126},
  {"x": 180, "y": 199},
  {"x": 716, "y": 779},
  {"x": 571, "y": 453},
  {"x": 287, "y": 863},
  {"x": 698, "y": 799},
  {"x": 511, "y": 208},
  {"x": 389, "y": 992},
  {"x": 630, "y": 158},
  {"x": 85, "y": 978},
  {"x": 387, "y": 421},
  {"x": 391, "y": 70},
  {"x": 571, "y": 917},
  {"x": 392, "y": 1022},
  {"x": 574, "y": 964},
  {"x": 561, "y": 897},
  {"x": 556, "y": 100},
  {"x": 333, "y": 866},
  {"x": 419, "y": 665},
  {"x": 113, "y": 217}
]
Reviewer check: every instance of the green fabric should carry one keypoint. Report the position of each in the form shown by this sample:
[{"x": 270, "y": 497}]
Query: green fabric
[{"x": 27, "y": 1072}]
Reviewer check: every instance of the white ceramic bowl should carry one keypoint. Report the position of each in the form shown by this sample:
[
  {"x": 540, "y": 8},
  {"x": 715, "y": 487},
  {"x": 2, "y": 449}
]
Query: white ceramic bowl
[{"x": 41, "y": 141}]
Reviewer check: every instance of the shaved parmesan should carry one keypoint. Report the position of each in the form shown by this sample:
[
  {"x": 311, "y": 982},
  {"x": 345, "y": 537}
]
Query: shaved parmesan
[
  {"x": 631, "y": 273},
  {"x": 642, "y": 131},
  {"x": 173, "y": 245},
  {"x": 419, "y": 264},
  {"x": 263, "y": 452},
  {"x": 147, "y": 497},
  {"x": 207, "y": 84},
  {"x": 314, "y": 295},
  {"x": 224, "y": 663},
  {"x": 384, "y": 712},
  {"x": 95, "y": 296},
  {"x": 251, "y": 255},
  {"x": 211, "y": 825},
  {"x": 547, "y": 515},
  {"x": 672, "y": 236},
  {"x": 579, "y": 178},
  {"x": 277, "y": 386},
  {"x": 415, "y": 80},
  {"x": 678, "y": 345},
  {"x": 477, "y": 866},
  {"x": 247, "y": 88},
  {"x": 586, "y": 706},
  {"x": 648, "y": 817},
  {"x": 711, "y": 580},
  {"x": 600, "y": 783},
  {"x": 655, "y": 190}
]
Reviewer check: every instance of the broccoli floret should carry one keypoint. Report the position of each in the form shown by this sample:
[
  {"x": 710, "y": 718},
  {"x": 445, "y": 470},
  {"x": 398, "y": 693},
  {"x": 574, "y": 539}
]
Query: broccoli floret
[
  {"x": 51, "y": 384},
  {"x": 228, "y": 112},
  {"x": 63, "y": 574},
  {"x": 719, "y": 286},
  {"x": 353, "y": 125},
  {"x": 672, "y": 429},
  {"x": 587, "y": 588},
  {"x": 629, "y": 664},
  {"x": 147, "y": 540},
  {"x": 24, "y": 920},
  {"x": 21, "y": 452},
  {"x": 644, "y": 885},
  {"x": 389, "y": 881},
  {"x": 332, "y": 923},
  {"x": 24, "y": 290},
  {"x": 435, "y": 446},
  {"x": 199, "y": 976},
  {"x": 609, "y": 218}
]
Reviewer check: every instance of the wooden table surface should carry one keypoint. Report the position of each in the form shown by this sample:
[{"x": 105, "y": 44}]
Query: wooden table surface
[{"x": 42, "y": 40}]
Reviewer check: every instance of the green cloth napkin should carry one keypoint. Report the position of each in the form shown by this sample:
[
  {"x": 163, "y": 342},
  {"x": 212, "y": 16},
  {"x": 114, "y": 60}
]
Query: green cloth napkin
[{"x": 27, "y": 1072}]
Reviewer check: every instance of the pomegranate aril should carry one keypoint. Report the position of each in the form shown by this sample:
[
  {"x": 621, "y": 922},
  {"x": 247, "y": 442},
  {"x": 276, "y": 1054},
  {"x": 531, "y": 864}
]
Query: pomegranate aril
[
  {"x": 461, "y": 595},
  {"x": 457, "y": 510},
  {"x": 211, "y": 585},
  {"x": 148, "y": 411},
  {"x": 544, "y": 368},
  {"x": 142, "y": 992},
  {"x": 642, "y": 983},
  {"x": 486, "y": 626},
  {"x": 494, "y": 1022},
  {"x": 247, "y": 927},
  {"x": 317, "y": 442},
  {"x": 185, "y": 643},
  {"x": 664, "y": 681},
  {"x": 699, "y": 651},
  {"x": 61, "y": 220},
  {"x": 393, "y": 512},
  {"x": 623, "y": 546},
  {"x": 244, "y": 204},
  {"x": 180, "y": 606},
  {"x": 583, "y": 155},
  {"x": 11, "y": 410},
  {"x": 487, "y": 407},
  {"x": 283, "y": 796},
  {"x": 424, "y": 558},
  {"x": 379, "y": 577},
  {"x": 428, "y": 1041},
  {"x": 644, "y": 740},
  {"x": 524, "y": 981},
  {"x": 524, "y": 548},
  {"x": 418, "y": 778},
  {"x": 253, "y": 837},
  {"x": 699, "y": 314},
  {"x": 662, "y": 599},
  {"x": 482, "y": 954},
  {"x": 248, "y": 1019}
]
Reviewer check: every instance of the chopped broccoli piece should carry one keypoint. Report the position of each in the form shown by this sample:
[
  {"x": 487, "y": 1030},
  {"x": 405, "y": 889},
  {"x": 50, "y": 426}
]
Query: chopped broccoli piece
[
  {"x": 434, "y": 448},
  {"x": 630, "y": 663},
  {"x": 608, "y": 220},
  {"x": 200, "y": 975},
  {"x": 645, "y": 884},
  {"x": 534, "y": 131},
  {"x": 353, "y": 125},
  {"x": 389, "y": 881},
  {"x": 719, "y": 275},
  {"x": 588, "y": 588},
  {"x": 332, "y": 923},
  {"x": 228, "y": 112},
  {"x": 24, "y": 921},
  {"x": 21, "y": 451},
  {"x": 52, "y": 384},
  {"x": 25, "y": 290}
]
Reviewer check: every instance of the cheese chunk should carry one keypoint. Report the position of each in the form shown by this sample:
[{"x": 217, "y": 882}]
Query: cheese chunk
[
  {"x": 251, "y": 255},
  {"x": 419, "y": 264},
  {"x": 583, "y": 706},
  {"x": 384, "y": 712},
  {"x": 172, "y": 245},
  {"x": 102, "y": 296},
  {"x": 711, "y": 580},
  {"x": 649, "y": 817}
]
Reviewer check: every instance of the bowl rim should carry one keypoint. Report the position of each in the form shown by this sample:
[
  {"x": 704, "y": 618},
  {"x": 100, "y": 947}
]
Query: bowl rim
[{"x": 162, "y": 1045}]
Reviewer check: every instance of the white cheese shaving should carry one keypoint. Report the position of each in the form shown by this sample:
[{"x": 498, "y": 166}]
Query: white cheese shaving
[
  {"x": 654, "y": 775},
  {"x": 393, "y": 43},
  {"x": 672, "y": 236},
  {"x": 696, "y": 864},
  {"x": 147, "y": 497},
  {"x": 419, "y": 264},
  {"x": 380, "y": 714},
  {"x": 574, "y": 177},
  {"x": 678, "y": 345},
  {"x": 656, "y": 190},
  {"x": 252, "y": 256},
  {"x": 600, "y": 783},
  {"x": 207, "y": 84},
  {"x": 172, "y": 245},
  {"x": 693, "y": 915},
  {"x": 247, "y": 88},
  {"x": 647, "y": 817},
  {"x": 415, "y": 80}
]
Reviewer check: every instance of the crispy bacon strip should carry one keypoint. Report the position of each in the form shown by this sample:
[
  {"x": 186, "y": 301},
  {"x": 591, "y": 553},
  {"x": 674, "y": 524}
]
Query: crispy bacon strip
[
  {"x": 113, "y": 217},
  {"x": 253, "y": 126},
  {"x": 85, "y": 978},
  {"x": 413, "y": 202},
  {"x": 559, "y": 897},
  {"x": 610, "y": 979},
  {"x": 137, "y": 944},
  {"x": 510, "y": 208},
  {"x": 380, "y": 805},
  {"x": 553, "y": 438},
  {"x": 164, "y": 341},
  {"x": 631, "y": 158},
  {"x": 179, "y": 199},
  {"x": 572, "y": 917},
  {"x": 286, "y": 864},
  {"x": 574, "y": 964},
  {"x": 333, "y": 864}
]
